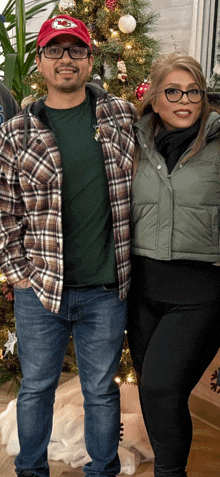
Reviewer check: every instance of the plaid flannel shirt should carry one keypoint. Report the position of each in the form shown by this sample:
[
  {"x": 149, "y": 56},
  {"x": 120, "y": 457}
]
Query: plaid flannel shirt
[{"x": 31, "y": 238}]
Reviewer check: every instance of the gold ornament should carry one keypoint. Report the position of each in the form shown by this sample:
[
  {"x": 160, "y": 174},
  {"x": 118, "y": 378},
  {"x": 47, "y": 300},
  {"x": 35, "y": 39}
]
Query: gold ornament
[
  {"x": 67, "y": 6},
  {"x": 27, "y": 100}
]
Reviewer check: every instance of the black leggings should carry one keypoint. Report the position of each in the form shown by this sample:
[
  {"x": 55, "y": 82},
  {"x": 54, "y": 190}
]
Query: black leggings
[{"x": 171, "y": 347}]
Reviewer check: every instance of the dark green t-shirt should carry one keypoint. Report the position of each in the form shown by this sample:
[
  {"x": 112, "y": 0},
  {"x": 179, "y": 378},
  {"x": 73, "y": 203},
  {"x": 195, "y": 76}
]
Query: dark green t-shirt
[{"x": 89, "y": 255}]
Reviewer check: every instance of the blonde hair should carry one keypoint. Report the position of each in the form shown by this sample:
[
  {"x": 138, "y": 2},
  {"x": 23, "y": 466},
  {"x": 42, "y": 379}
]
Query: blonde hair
[{"x": 161, "y": 67}]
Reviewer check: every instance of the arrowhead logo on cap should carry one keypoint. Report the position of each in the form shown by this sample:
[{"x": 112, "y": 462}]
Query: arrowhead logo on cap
[{"x": 62, "y": 23}]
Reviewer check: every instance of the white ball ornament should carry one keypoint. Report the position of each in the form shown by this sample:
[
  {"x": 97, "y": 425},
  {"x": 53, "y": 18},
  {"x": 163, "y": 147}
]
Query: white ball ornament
[
  {"x": 67, "y": 6},
  {"x": 127, "y": 24}
]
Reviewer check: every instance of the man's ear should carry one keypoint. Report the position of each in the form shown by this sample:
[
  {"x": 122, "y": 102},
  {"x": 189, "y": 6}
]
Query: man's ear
[
  {"x": 90, "y": 62},
  {"x": 91, "y": 59},
  {"x": 38, "y": 62}
]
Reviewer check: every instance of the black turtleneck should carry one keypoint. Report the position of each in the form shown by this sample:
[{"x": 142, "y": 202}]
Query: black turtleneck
[{"x": 172, "y": 144}]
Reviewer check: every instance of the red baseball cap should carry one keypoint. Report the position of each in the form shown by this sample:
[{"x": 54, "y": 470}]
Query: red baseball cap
[{"x": 60, "y": 25}]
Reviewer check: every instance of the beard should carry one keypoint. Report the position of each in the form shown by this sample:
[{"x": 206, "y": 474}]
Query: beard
[
  {"x": 69, "y": 85},
  {"x": 70, "y": 88}
]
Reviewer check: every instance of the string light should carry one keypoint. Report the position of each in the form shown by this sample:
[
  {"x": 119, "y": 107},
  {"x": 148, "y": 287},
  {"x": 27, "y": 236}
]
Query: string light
[{"x": 113, "y": 32}]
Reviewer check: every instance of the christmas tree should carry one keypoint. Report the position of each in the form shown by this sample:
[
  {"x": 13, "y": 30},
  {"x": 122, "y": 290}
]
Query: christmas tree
[{"x": 123, "y": 46}]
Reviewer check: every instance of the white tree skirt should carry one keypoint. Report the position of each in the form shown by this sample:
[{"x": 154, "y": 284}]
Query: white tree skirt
[{"x": 67, "y": 439}]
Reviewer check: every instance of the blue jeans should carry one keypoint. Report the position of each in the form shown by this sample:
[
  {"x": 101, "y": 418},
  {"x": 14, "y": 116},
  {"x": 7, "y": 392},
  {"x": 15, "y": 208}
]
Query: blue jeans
[{"x": 97, "y": 319}]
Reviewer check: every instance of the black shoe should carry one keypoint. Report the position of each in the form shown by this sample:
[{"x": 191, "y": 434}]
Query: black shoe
[{"x": 26, "y": 473}]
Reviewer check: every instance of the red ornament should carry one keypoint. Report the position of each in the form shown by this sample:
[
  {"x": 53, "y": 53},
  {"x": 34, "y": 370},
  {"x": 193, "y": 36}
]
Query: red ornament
[
  {"x": 141, "y": 88},
  {"x": 111, "y": 4}
]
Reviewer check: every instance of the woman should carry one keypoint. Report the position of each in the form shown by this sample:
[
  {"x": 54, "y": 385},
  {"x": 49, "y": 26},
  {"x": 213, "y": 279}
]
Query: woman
[{"x": 174, "y": 306}]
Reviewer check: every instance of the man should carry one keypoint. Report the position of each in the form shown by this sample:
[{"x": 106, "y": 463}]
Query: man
[
  {"x": 65, "y": 181},
  {"x": 8, "y": 106}
]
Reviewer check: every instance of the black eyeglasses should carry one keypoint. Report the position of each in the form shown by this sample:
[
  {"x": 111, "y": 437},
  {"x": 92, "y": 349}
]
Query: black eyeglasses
[
  {"x": 194, "y": 95},
  {"x": 56, "y": 52}
]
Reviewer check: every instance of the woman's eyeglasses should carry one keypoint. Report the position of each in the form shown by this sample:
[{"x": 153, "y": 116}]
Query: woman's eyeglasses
[
  {"x": 56, "y": 52},
  {"x": 174, "y": 95}
]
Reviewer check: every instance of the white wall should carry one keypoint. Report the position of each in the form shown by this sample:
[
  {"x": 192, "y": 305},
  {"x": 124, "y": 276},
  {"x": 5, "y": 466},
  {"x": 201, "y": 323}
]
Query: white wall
[
  {"x": 188, "y": 26},
  {"x": 174, "y": 24},
  {"x": 35, "y": 24}
]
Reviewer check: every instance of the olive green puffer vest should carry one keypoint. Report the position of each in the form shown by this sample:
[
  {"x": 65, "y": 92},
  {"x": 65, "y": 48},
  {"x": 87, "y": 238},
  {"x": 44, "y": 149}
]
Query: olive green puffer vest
[{"x": 176, "y": 216}]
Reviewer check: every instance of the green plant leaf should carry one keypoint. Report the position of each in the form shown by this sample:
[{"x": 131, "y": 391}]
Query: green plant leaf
[
  {"x": 10, "y": 61},
  {"x": 20, "y": 47},
  {"x": 5, "y": 41},
  {"x": 29, "y": 63},
  {"x": 35, "y": 8},
  {"x": 20, "y": 28}
]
